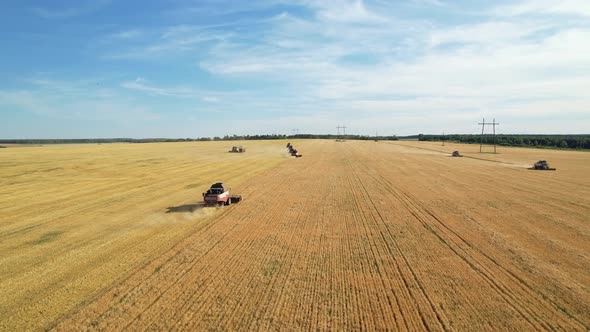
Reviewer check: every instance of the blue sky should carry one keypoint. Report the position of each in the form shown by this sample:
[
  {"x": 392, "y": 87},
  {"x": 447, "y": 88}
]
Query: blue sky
[{"x": 185, "y": 68}]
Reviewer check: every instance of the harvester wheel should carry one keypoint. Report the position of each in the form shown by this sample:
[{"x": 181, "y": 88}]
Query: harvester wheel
[{"x": 228, "y": 202}]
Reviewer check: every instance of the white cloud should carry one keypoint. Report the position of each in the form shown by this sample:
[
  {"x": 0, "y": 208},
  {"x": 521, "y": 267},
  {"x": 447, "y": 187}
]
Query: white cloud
[
  {"x": 561, "y": 7},
  {"x": 168, "y": 43},
  {"x": 143, "y": 85},
  {"x": 348, "y": 11},
  {"x": 496, "y": 67},
  {"x": 487, "y": 33}
]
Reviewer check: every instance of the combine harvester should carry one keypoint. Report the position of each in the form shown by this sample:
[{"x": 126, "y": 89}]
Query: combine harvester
[
  {"x": 293, "y": 151},
  {"x": 217, "y": 195},
  {"x": 237, "y": 149},
  {"x": 542, "y": 165},
  {"x": 296, "y": 154},
  {"x": 456, "y": 154}
]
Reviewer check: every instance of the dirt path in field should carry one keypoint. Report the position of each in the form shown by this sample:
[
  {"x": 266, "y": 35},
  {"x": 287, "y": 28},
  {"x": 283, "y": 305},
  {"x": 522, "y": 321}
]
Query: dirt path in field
[{"x": 365, "y": 235}]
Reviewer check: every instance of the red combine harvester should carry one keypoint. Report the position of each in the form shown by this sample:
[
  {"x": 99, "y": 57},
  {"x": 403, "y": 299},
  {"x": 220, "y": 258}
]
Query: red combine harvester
[
  {"x": 293, "y": 151},
  {"x": 218, "y": 195}
]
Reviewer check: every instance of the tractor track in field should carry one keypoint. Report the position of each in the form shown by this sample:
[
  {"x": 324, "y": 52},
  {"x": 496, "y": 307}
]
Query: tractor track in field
[
  {"x": 186, "y": 310},
  {"x": 441, "y": 320},
  {"x": 422, "y": 213},
  {"x": 515, "y": 279},
  {"x": 412, "y": 208},
  {"x": 394, "y": 253},
  {"x": 128, "y": 278},
  {"x": 176, "y": 277},
  {"x": 464, "y": 156},
  {"x": 516, "y": 166},
  {"x": 89, "y": 240},
  {"x": 185, "y": 272},
  {"x": 235, "y": 258}
]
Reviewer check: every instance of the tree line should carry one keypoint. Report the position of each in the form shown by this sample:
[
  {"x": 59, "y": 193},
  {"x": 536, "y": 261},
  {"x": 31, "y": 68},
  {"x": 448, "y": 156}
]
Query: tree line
[
  {"x": 92, "y": 140},
  {"x": 306, "y": 136},
  {"x": 216, "y": 138},
  {"x": 555, "y": 141}
]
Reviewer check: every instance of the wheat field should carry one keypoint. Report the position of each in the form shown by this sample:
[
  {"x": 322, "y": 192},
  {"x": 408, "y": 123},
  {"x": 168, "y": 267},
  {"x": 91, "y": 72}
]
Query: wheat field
[
  {"x": 354, "y": 235},
  {"x": 74, "y": 219}
]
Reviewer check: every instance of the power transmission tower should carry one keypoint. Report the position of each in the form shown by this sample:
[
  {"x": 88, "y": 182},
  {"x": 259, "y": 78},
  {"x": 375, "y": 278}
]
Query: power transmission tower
[
  {"x": 483, "y": 124},
  {"x": 338, "y": 137},
  {"x": 343, "y": 129}
]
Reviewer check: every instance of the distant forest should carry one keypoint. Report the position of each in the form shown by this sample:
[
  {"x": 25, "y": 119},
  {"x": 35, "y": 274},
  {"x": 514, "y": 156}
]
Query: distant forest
[
  {"x": 578, "y": 142},
  {"x": 224, "y": 138}
]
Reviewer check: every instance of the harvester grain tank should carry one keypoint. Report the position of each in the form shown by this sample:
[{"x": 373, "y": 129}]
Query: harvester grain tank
[
  {"x": 219, "y": 195},
  {"x": 542, "y": 165}
]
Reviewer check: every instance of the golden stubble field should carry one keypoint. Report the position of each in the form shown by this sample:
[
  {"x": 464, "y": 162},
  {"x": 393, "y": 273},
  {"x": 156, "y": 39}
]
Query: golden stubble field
[
  {"x": 354, "y": 235},
  {"x": 74, "y": 219}
]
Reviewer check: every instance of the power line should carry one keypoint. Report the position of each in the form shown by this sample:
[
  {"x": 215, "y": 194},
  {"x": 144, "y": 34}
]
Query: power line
[{"x": 483, "y": 124}]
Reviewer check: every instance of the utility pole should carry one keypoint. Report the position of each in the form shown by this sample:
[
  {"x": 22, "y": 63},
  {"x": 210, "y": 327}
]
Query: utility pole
[
  {"x": 343, "y": 129},
  {"x": 483, "y": 124}
]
